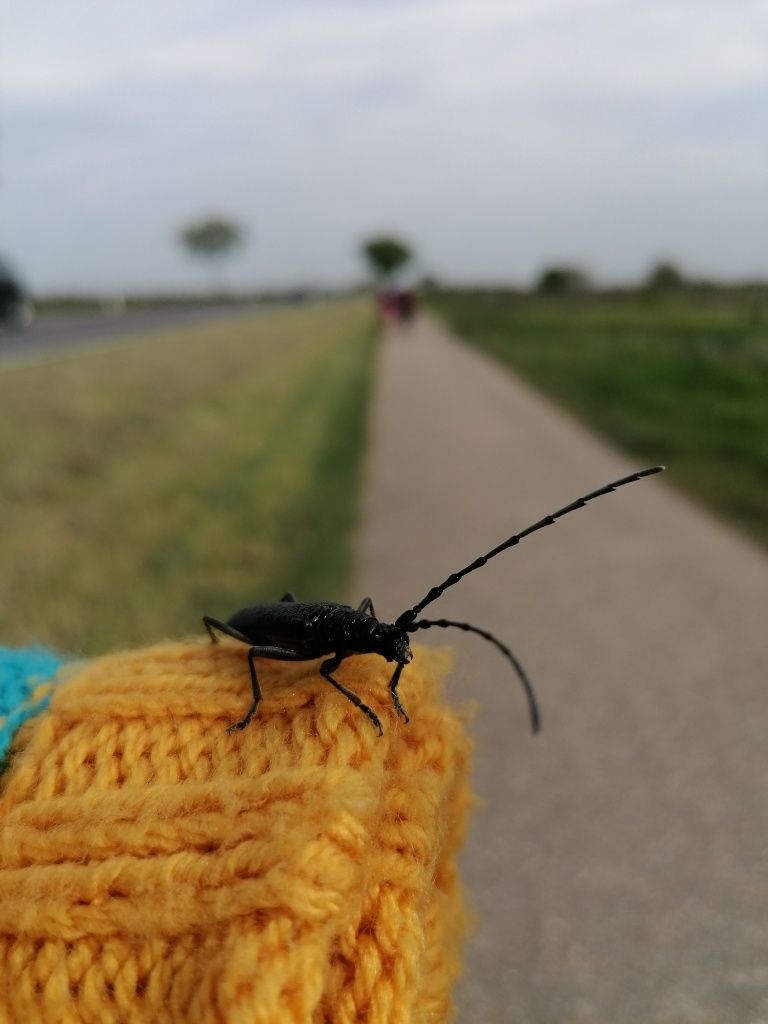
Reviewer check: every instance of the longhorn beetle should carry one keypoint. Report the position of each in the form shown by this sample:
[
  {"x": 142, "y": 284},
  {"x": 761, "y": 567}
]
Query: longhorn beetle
[{"x": 293, "y": 631}]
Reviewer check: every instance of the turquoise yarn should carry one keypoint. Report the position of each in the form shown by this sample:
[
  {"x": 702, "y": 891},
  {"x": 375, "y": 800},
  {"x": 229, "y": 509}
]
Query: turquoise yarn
[{"x": 21, "y": 671}]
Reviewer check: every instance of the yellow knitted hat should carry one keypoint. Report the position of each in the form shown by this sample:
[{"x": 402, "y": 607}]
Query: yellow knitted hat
[{"x": 155, "y": 868}]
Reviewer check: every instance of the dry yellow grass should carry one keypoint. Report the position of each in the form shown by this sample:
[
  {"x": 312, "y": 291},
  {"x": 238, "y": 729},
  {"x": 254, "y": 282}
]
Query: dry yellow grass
[{"x": 188, "y": 472}]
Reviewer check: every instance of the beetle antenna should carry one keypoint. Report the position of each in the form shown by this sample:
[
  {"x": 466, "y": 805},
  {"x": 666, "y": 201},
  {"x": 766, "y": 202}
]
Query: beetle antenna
[
  {"x": 530, "y": 696},
  {"x": 408, "y": 616}
]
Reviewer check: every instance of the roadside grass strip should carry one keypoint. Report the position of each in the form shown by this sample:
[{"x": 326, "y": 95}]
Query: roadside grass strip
[{"x": 192, "y": 471}]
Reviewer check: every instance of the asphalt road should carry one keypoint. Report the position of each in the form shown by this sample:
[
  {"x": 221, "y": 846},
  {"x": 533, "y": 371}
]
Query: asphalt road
[
  {"x": 619, "y": 861},
  {"x": 52, "y": 334}
]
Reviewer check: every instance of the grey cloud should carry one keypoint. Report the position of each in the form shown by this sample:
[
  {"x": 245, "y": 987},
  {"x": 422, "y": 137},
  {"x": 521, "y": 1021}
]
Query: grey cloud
[{"x": 496, "y": 135}]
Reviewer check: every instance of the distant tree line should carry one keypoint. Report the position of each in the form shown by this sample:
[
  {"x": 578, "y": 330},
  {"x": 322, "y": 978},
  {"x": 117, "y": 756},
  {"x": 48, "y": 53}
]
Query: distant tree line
[
  {"x": 566, "y": 279},
  {"x": 214, "y": 239}
]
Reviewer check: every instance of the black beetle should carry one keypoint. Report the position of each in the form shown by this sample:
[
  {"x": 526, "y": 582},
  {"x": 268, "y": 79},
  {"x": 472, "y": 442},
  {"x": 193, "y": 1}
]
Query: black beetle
[{"x": 293, "y": 631}]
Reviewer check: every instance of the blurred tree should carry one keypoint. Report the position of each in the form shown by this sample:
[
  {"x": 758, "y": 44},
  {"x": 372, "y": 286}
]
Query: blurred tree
[
  {"x": 385, "y": 255},
  {"x": 663, "y": 277},
  {"x": 212, "y": 239},
  {"x": 562, "y": 280}
]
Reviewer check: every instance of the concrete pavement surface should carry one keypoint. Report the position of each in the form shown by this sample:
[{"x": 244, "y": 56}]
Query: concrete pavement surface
[{"x": 618, "y": 864}]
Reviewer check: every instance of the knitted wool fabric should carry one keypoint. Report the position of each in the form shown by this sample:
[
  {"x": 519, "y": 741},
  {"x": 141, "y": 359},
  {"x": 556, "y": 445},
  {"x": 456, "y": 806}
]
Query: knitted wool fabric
[{"x": 155, "y": 868}]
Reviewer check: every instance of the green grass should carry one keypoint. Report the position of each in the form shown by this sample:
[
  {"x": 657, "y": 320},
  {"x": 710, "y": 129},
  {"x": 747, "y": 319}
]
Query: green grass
[
  {"x": 144, "y": 484},
  {"x": 681, "y": 379}
]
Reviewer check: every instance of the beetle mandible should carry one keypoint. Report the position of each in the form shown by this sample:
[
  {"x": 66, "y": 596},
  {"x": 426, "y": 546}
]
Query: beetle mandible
[{"x": 290, "y": 630}]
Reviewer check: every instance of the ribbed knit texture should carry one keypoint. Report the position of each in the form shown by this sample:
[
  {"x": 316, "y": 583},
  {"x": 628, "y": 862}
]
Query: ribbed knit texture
[{"x": 154, "y": 868}]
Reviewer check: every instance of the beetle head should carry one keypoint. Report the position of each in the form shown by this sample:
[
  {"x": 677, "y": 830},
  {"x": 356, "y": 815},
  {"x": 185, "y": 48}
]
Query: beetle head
[{"x": 392, "y": 643}]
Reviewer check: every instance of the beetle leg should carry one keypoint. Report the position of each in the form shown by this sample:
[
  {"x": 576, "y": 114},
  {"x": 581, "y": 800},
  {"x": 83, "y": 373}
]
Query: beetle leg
[
  {"x": 256, "y": 695},
  {"x": 393, "y": 693},
  {"x": 366, "y": 605},
  {"x": 325, "y": 671},
  {"x": 210, "y": 624},
  {"x": 288, "y": 596},
  {"x": 262, "y": 651}
]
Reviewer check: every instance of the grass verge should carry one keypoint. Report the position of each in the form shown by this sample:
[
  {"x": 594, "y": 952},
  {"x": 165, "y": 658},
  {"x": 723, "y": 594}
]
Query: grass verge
[
  {"x": 184, "y": 473},
  {"x": 679, "y": 379}
]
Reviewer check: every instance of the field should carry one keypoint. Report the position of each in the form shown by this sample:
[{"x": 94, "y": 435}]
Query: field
[
  {"x": 680, "y": 379},
  {"x": 146, "y": 483}
]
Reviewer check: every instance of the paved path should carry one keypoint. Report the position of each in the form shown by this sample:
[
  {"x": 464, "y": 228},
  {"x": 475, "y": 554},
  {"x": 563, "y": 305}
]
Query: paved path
[{"x": 619, "y": 864}]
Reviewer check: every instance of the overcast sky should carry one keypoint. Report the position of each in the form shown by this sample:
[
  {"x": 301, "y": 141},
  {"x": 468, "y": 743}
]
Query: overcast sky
[{"x": 495, "y": 135}]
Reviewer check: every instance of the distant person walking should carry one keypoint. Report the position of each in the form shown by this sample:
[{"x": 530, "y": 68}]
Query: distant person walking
[
  {"x": 396, "y": 307},
  {"x": 406, "y": 305},
  {"x": 388, "y": 308}
]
